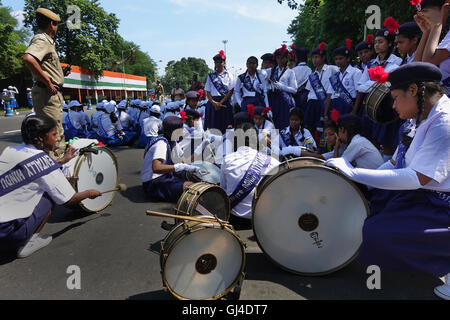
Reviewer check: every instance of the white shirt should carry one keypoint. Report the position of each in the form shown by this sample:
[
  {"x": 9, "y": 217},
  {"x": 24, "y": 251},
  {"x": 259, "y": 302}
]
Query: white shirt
[
  {"x": 64, "y": 117},
  {"x": 363, "y": 153},
  {"x": 308, "y": 137},
  {"x": 77, "y": 119},
  {"x": 302, "y": 72},
  {"x": 157, "y": 152},
  {"x": 109, "y": 127},
  {"x": 151, "y": 126},
  {"x": 227, "y": 80},
  {"x": 288, "y": 79},
  {"x": 20, "y": 203},
  {"x": 260, "y": 87},
  {"x": 429, "y": 152},
  {"x": 349, "y": 79},
  {"x": 126, "y": 121},
  {"x": 233, "y": 169},
  {"x": 445, "y": 65},
  {"x": 12, "y": 92},
  {"x": 364, "y": 83},
  {"x": 410, "y": 59},
  {"x": 324, "y": 76}
]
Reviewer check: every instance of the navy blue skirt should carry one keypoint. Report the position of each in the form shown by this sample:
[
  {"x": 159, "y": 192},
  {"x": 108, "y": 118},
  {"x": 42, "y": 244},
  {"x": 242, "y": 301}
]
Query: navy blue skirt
[
  {"x": 301, "y": 100},
  {"x": 219, "y": 120},
  {"x": 14, "y": 234},
  {"x": 281, "y": 103},
  {"x": 257, "y": 101},
  {"x": 341, "y": 106},
  {"x": 167, "y": 188},
  {"x": 408, "y": 231},
  {"x": 386, "y": 135},
  {"x": 313, "y": 114}
]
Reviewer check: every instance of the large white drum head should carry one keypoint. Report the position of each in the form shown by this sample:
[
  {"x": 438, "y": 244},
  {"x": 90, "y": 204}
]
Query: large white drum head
[
  {"x": 205, "y": 264},
  {"x": 309, "y": 220},
  {"x": 99, "y": 172},
  {"x": 213, "y": 175}
]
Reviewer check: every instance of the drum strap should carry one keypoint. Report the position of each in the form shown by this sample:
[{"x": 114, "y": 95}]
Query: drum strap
[
  {"x": 251, "y": 178},
  {"x": 26, "y": 172}
]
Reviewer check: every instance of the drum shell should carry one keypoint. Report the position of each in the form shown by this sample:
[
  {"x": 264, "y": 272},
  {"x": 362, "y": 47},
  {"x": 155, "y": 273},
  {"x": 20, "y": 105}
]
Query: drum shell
[
  {"x": 190, "y": 198},
  {"x": 379, "y": 104},
  {"x": 75, "y": 170},
  {"x": 283, "y": 169},
  {"x": 180, "y": 232}
]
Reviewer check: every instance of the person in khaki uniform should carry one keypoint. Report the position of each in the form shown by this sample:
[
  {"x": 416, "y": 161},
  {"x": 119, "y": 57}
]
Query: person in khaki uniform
[
  {"x": 43, "y": 61},
  {"x": 159, "y": 91}
]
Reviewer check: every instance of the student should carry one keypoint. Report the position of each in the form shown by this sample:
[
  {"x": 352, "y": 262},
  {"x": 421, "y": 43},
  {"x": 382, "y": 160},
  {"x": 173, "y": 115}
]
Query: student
[
  {"x": 29, "y": 98},
  {"x": 331, "y": 137},
  {"x": 407, "y": 40},
  {"x": 283, "y": 86},
  {"x": 434, "y": 47},
  {"x": 302, "y": 73},
  {"x": 193, "y": 103},
  {"x": 110, "y": 131},
  {"x": 151, "y": 127},
  {"x": 296, "y": 138},
  {"x": 408, "y": 225},
  {"x": 96, "y": 116},
  {"x": 162, "y": 180},
  {"x": 173, "y": 109},
  {"x": 75, "y": 123},
  {"x": 365, "y": 52},
  {"x": 219, "y": 88},
  {"x": 318, "y": 85},
  {"x": 65, "y": 113},
  {"x": 251, "y": 87},
  {"x": 240, "y": 173},
  {"x": 12, "y": 98},
  {"x": 343, "y": 84},
  {"x": 26, "y": 203},
  {"x": 384, "y": 136},
  {"x": 268, "y": 61},
  {"x": 126, "y": 122},
  {"x": 260, "y": 118}
]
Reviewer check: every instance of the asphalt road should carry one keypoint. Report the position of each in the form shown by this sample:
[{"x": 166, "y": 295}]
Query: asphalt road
[{"x": 117, "y": 253}]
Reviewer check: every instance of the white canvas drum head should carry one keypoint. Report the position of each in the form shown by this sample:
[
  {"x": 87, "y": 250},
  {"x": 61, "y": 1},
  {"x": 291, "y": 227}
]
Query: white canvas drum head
[
  {"x": 99, "y": 172},
  {"x": 204, "y": 264},
  {"x": 213, "y": 175},
  {"x": 309, "y": 220}
]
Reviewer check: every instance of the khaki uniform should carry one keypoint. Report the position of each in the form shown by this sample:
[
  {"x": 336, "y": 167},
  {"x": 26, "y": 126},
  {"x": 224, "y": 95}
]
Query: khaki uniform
[
  {"x": 42, "y": 47},
  {"x": 159, "y": 93}
]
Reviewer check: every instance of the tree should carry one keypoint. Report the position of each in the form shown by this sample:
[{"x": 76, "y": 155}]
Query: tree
[{"x": 182, "y": 71}]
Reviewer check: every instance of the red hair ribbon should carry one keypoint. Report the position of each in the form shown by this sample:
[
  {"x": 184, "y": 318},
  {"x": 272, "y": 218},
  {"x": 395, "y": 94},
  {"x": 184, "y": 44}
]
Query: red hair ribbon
[
  {"x": 322, "y": 46},
  {"x": 369, "y": 40},
  {"x": 335, "y": 115},
  {"x": 293, "y": 47},
  {"x": 183, "y": 116},
  {"x": 201, "y": 115},
  {"x": 391, "y": 25},
  {"x": 378, "y": 74},
  {"x": 283, "y": 49},
  {"x": 348, "y": 44},
  {"x": 251, "y": 110},
  {"x": 292, "y": 55},
  {"x": 201, "y": 93},
  {"x": 222, "y": 54},
  {"x": 417, "y": 4},
  {"x": 267, "y": 110}
]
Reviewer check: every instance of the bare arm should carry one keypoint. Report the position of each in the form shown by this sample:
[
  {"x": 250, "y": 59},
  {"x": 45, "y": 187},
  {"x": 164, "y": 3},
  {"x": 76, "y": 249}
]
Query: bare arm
[
  {"x": 80, "y": 196},
  {"x": 159, "y": 167}
]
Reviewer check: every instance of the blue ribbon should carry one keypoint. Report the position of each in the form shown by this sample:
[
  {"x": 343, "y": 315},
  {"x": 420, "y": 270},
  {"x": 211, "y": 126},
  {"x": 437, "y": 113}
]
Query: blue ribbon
[
  {"x": 218, "y": 84},
  {"x": 340, "y": 90},
  {"x": 318, "y": 88}
]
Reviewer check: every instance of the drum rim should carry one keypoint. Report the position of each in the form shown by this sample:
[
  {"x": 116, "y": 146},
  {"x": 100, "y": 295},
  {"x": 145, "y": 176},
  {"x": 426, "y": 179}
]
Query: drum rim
[
  {"x": 77, "y": 170},
  {"x": 210, "y": 185},
  {"x": 309, "y": 274},
  {"x": 191, "y": 176},
  {"x": 370, "y": 111},
  {"x": 165, "y": 255}
]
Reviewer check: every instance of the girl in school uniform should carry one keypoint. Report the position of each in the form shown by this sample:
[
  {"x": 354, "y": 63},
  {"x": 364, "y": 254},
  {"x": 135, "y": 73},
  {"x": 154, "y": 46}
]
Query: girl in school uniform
[
  {"x": 126, "y": 122},
  {"x": 318, "y": 85},
  {"x": 365, "y": 52},
  {"x": 407, "y": 40},
  {"x": 110, "y": 131},
  {"x": 31, "y": 183},
  {"x": 162, "y": 180},
  {"x": 295, "y": 138},
  {"x": 151, "y": 127},
  {"x": 261, "y": 120},
  {"x": 283, "y": 86},
  {"x": 410, "y": 215},
  {"x": 251, "y": 87},
  {"x": 302, "y": 73},
  {"x": 333, "y": 150},
  {"x": 75, "y": 124},
  {"x": 384, "y": 136},
  {"x": 219, "y": 88},
  {"x": 343, "y": 84}
]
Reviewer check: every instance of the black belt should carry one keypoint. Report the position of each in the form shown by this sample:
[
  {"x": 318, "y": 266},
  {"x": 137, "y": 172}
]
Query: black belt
[{"x": 42, "y": 85}]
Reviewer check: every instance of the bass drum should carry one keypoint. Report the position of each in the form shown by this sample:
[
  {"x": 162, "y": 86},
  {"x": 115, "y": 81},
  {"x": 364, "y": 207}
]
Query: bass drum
[
  {"x": 379, "y": 104},
  {"x": 202, "y": 261},
  {"x": 96, "y": 169},
  {"x": 308, "y": 218},
  {"x": 204, "y": 199}
]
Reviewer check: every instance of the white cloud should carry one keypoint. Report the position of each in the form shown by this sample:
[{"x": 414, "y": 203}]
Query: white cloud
[{"x": 19, "y": 15}]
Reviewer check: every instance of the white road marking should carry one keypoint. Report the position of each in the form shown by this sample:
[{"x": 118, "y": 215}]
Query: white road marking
[{"x": 14, "y": 131}]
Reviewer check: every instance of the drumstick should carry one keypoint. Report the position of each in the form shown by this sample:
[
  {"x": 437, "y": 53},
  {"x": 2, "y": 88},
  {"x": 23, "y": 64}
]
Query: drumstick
[
  {"x": 174, "y": 216},
  {"x": 121, "y": 188},
  {"x": 209, "y": 146}
]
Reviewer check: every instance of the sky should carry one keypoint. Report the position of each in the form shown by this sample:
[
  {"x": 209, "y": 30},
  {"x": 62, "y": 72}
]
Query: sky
[{"x": 172, "y": 29}]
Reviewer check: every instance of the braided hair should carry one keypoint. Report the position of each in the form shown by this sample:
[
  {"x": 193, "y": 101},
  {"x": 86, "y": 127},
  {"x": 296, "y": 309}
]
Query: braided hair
[{"x": 35, "y": 127}]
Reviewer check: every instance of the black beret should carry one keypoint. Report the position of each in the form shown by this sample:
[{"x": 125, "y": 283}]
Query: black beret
[
  {"x": 172, "y": 123},
  {"x": 431, "y": 3},
  {"x": 268, "y": 57},
  {"x": 385, "y": 33},
  {"x": 410, "y": 29},
  {"x": 241, "y": 117},
  {"x": 259, "y": 110},
  {"x": 414, "y": 72},
  {"x": 342, "y": 51},
  {"x": 301, "y": 51},
  {"x": 192, "y": 113},
  {"x": 319, "y": 52},
  {"x": 361, "y": 46}
]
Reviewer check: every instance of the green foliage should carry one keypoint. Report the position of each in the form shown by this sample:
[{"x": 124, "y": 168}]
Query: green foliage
[
  {"x": 333, "y": 21},
  {"x": 182, "y": 71}
]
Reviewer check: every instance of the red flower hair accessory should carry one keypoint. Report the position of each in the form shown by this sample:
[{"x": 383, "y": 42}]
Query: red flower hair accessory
[
  {"x": 378, "y": 74},
  {"x": 222, "y": 54},
  {"x": 293, "y": 47},
  {"x": 391, "y": 25},
  {"x": 322, "y": 46},
  {"x": 201, "y": 93},
  {"x": 283, "y": 49},
  {"x": 369, "y": 40},
  {"x": 417, "y": 4},
  {"x": 335, "y": 115},
  {"x": 251, "y": 110},
  {"x": 266, "y": 110},
  {"x": 183, "y": 116},
  {"x": 348, "y": 44}
]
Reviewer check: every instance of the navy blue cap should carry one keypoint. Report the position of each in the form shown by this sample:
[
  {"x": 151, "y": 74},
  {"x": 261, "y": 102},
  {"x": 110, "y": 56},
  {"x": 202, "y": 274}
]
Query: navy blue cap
[
  {"x": 431, "y": 3},
  {"x": 268, "y": 57},
  {"x": 192, "y": 95},
  {"x": 385, "y": 33},
  {"x": 414, "y": 72},
  {"x": 302, "y": 52},
  {"x": 342, "y": 51},
  {"x": 410, "y": 29},
  {"x": 361, "y": 46},
  {"x": 241, "y": 117},
  {"x": 259, "y": 110}
]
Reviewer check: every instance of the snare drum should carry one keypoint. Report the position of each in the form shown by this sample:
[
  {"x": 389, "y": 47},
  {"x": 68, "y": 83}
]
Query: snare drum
[
  {"x": 379, "y": 104},
  {"x": 209, "y": 172},
  {"x": 308, "y": 218},
  {"x": 204, "y": 199},
  {"x": 202, "y": 261},
  {"x": 94, "y": 171}
]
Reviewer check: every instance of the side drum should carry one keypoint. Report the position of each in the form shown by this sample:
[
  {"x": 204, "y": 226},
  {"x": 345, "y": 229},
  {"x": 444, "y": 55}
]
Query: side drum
[
  {"x": 315, "y": 228},
  {"x": 202, "y": 261},
  {"x": 379, "y": 104}
]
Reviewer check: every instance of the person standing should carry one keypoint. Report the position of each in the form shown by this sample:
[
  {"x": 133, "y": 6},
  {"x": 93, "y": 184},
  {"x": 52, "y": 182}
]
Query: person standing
[
  {"x": 196, "y": 85},
  {"x": 43, "y": 62},
  {"x": 12, "y": 91},
  {"x": 178, "y": 93},
  {"x": 159, "y": 91}
]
